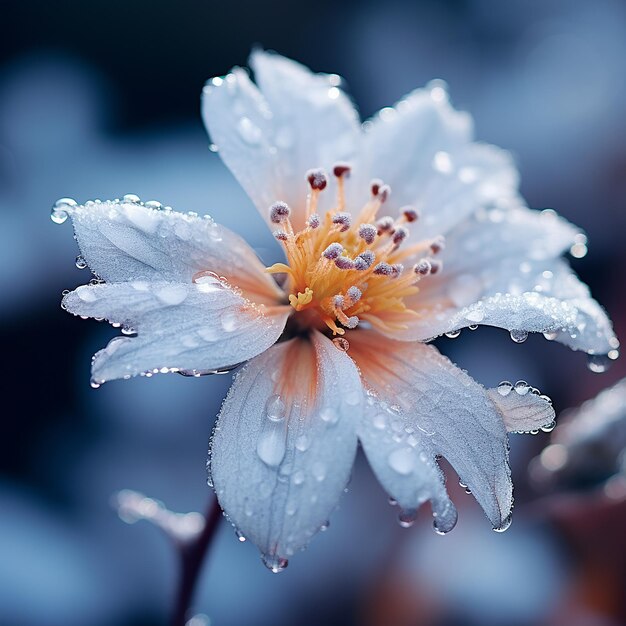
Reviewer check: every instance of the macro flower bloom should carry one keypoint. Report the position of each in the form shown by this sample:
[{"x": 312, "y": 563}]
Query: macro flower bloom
[{"x": 394, "y": 232}]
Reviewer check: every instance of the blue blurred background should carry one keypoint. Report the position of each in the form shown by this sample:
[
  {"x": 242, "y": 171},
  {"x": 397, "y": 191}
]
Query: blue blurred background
[{"x": 98, "y": 99}]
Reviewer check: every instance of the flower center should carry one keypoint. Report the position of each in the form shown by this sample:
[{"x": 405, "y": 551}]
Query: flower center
[{"x": 343, "y": 268}]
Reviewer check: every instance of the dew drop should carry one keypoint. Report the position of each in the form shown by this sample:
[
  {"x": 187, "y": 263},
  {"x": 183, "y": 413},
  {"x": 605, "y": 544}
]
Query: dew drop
[
  {"x": 519, "y": 336},
  {"x": 275, "y": 408},
  {"x": 131, "y": 197},
  {"x": 319, "y": 471},
  {"x": 172, "y": 295},
  {"x": 522, "y": 387},
  {"x": 59, "y": 213},
  {"x": 298, "y": 477},
  {"x": 379, "y": 421},
  {"x": 548, "y": 428},
  {"x": 551, "y": 336},
  {"x": 329, "y": 415},
  {"x": 81, "y": 264},
  {"x": 240, "y": 535},
  {"x": 271, "y": 446},
  {"x": 249, "y": 131},
  {"x": 506, "y": 523},
  {"x": 229, "y": 322},
  {"x": 302, "y": 443},
  {"x": 402, "y": 460},
  {"x": 453, "y": 334},
  {"x": 407, "y": 517},
  {"x": 274, "y": 563},
  {"x": 598, "y": 363},
  {"x": 505, "y": 388}
]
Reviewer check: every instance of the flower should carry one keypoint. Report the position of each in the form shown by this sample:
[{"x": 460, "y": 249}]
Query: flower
[{"x": 394, "y": 233}]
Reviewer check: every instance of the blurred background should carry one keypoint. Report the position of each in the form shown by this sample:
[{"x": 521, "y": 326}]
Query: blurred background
[{"x": 99, "y": 99}]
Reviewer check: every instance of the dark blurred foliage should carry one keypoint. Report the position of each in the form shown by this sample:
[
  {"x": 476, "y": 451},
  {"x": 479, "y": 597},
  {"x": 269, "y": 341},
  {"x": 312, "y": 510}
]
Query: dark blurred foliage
[{"x": 101, "y": 98}]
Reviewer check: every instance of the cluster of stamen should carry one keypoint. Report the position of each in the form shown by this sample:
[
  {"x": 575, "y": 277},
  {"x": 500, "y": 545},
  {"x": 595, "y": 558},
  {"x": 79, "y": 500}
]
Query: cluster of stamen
[{"x": 344, "y": 267}]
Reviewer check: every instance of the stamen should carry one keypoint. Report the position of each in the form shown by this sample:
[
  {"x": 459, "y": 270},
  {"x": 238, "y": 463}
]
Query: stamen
[
  {"x": 333, "y": 251},
  {"x": 279, "y": 212},
  {"x": 281, "y": 235},
  {"x": 383, "y": 193},
  {"x": 385, "y": 224},
  {"x": 410, "y": 214},
  {"x": 301, "y": 300},
  {"x": 313, "y": 221},
  {"x": 397, "y": 268},
  {"x": 383, "y": 269},
  {"x": 368, "y": 233},
  {"x": 399, "y": 235},
  {"x": 339, "y": 302},
  {"x": 437, "y": 244},
  {"x": 435, "y": 266},
  {"x": 344, "y": 263},
  {"x": 343, "y": 219},
  {"x": 317, "y": 179},
  {"x": 364, "y": 260},
  {"x": 354, "y": 294},
  {"x": 422, "y": 267},
  {"x": 352, "y": 322},
  {"x": 342, "y": 169},
  {"x": 375, "y": 186}
]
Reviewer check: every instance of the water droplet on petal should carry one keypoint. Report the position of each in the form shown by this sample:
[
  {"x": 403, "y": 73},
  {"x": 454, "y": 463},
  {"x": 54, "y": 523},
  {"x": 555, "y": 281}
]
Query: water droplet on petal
[
  {"x": 519, "y": 336},
  {"x": 329, "y": 415},
  {"x": 271, "y": 446},
  {"x": 598, "y": 363},
  {"x": 275, "y": 408},
  {"x": 302, "y": 443},
  {"x": 505, "y": 388},
  {"x": 402, "y": 460},
  {"x": 59, "y": 213},
  {"x": 453, "y": 334},
  {"x": 240, "y": 535},
  {"x": 506, "y": 523},
  {"x": 274, "y": 563},
  {"x": 81, "y": 264},
  {"x": 522, "y": 387},
  {"x": 407, "y": 517},
  {"x": 249, "y": 131}
]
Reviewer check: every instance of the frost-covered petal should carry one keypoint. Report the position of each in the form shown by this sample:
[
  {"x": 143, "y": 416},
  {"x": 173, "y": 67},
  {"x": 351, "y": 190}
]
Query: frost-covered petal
[
  {"x": 270, "y": 137},
  {"x": 424, "y": 406},
  {"x": 423, "y": 149},
  {"x": 122, "y": 241},
  {"x": 284, "y": 443},
  {"x": 501, "y": 268},
  {"x": 522, "y": 407},
  {"x": 201, "y": 327}
]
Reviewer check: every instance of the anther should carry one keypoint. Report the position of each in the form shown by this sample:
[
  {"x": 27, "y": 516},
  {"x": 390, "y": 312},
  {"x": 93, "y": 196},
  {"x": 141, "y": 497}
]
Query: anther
[
  {"x": 384, "y": 224},
  {"x": 333, "y": 251},
  {"x": 279, "y": 212},
  {"x": 317, "y": 179},
  {"x": 435, "y": 266},
  {"x": 410, "y": 214},
  {"x": 342, "y": 169},
  {"x": 383, "y": 269},
  {"x": 368, "y": 233},
  {"x": 397, "y": 269},
  {"x": 339, "y": 301},
  {"x": 422, "y": 267},
  {"x": 352, "y": 322},
  {"x": 313, "y": 221},
  {"x": 354, "y": 294},
  {"x": 399, "y": 235},
  {"x": 364, "y": 260},
  {"x": 344, "y": 263},
  {"x": 383, "y": 193},
  {"x": 375, "y": 186},
  {"x": 281, "y": 235},
  {"x": 343, "y": 219},
  {"x": 437, "y": 244}
]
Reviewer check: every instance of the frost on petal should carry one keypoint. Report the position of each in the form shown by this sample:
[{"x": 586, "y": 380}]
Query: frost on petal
[
  {"x": 284, "y": 444},
  {"x": 193, "y": 328},
  {"x": 123, "y": 241},
  {"x": 420, "y": 406},
  {"x": 423, "y": 149},
  {"x": 522, "y": 407},
  {"x": 270, "y": 138},
  {"x": 501, "y": 268}
]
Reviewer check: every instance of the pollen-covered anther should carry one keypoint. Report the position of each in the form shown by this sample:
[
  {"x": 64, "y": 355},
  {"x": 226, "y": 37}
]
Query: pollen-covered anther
[
  {"x": 435, "y": 266},
  {"x": 437, "y": 244},
  {"x": 354, "y": 294},
  {"x": 343, "y": 220},
  {"x": 333, "y": 251},
  {"x": 368, "y": 233},
  {"x": 383, "y": 193},
  {"x": 279, "y": 212},
  {"x": 397, "y": 269},
  {"x": 317, "y": 179},
  {"x": 313, "y": 221},
  {"x": 364, "y": 260},
  {"x": 399, "y": 235},
  {"x": 339, "y": 301},
  {"x": 385, "y": 225},
  {"x": 375, "y": 186},
  {"x": 422, "y": 267},
  {"x": 383, "y": 269},
  {"x": 344, "y": 263},
  {"x": 281, "y": 235},
  {"x": 410, "y": 213},
  {"x": 342, "y": 169},
  {"x": 352, "y": 322}
]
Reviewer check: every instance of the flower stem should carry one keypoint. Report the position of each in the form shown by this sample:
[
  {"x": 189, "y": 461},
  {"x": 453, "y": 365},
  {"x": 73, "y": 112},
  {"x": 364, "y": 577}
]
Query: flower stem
[{"x": 192, "y": 555}]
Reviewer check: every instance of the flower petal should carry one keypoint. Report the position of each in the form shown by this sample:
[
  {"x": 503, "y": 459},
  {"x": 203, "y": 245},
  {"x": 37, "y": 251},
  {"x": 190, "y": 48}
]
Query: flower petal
[
  {"x": 193, "y": 328},
  {"x": 423, "y": 149},
  {"x": 123, "y": 241},
  {"x": 284, "y": 444},
  {"x": 522, "y": 408},
  {"x": 501, "y": 269},
  {"x": 270, "y": 138},
  {"x": 424, "y": 406}
]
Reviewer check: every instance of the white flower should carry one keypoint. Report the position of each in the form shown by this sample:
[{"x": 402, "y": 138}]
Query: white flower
[{"x": 367, "y": 282}]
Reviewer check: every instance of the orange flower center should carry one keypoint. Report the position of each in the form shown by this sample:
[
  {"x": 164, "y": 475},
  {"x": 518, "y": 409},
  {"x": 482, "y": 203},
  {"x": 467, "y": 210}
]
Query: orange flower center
[{"x": 344, "y": 268}]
